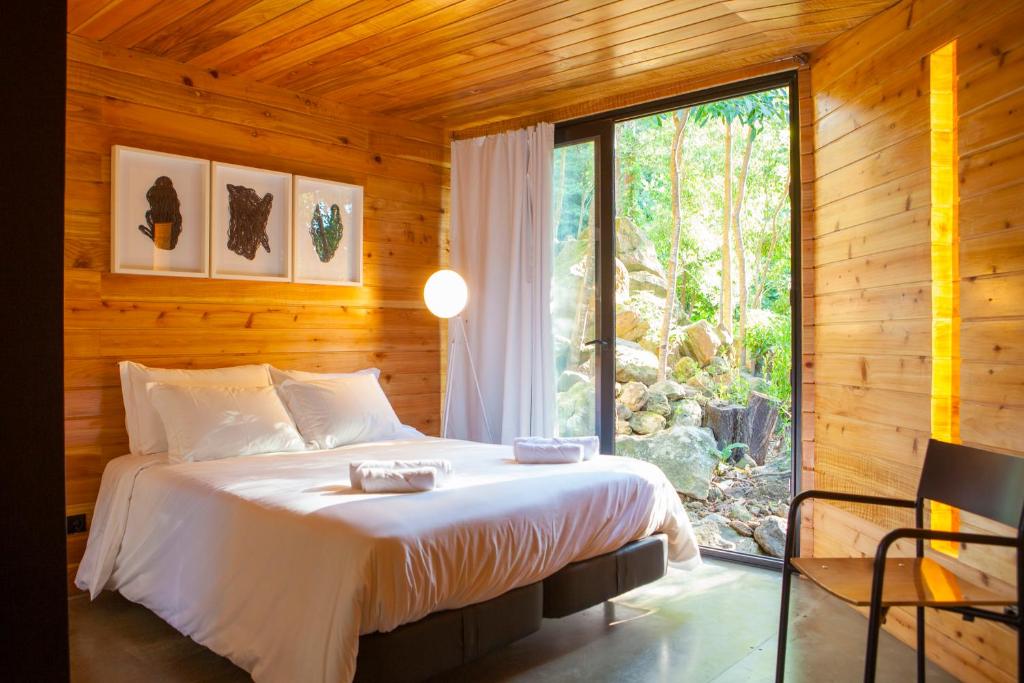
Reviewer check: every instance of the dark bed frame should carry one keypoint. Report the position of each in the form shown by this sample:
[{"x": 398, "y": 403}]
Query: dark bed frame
[{"x": 445, "y": 640}]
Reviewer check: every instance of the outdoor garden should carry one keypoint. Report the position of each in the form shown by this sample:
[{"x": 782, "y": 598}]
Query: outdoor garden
[{"x": 703, "y": 320}]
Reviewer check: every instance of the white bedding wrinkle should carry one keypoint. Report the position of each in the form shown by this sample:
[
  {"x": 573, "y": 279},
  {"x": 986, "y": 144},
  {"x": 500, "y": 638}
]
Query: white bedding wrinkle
[{"x": 277, "y": 563}]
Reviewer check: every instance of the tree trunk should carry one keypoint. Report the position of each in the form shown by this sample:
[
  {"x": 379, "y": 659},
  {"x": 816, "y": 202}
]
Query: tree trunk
[
  {"x": 741, "y": 264},
  {"x": 675, "y": 172},
  {"x": 763, "y": 263},
  {"x": 725, "y": 312}
]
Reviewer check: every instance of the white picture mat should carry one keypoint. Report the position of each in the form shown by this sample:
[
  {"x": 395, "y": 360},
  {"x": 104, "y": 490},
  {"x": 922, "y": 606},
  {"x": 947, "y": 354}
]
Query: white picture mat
[
  {"x": 273, "y": 266},
  {"x": 346, "y": 267},
  {"x": 133, "y": 172}
]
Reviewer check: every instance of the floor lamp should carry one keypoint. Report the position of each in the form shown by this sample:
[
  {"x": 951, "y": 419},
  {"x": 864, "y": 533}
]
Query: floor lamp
[{"x": 445, "y": 295}]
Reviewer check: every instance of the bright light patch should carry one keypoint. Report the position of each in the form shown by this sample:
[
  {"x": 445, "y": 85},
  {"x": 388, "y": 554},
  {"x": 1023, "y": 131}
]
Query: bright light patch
[{"x": 945, "y": 243}]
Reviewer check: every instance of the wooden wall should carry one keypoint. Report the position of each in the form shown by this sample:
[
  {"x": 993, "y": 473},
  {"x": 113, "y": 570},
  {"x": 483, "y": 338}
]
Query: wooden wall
[
  {"x": 873, "y": 285},
  {"x": 116, "y": 96}
]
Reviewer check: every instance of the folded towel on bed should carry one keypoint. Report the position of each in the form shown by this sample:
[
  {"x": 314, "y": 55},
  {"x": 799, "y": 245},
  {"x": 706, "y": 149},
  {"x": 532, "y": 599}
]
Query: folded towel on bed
[
  {"x": 534, "y": 452},
  {"x": 355, "y": 469},
  {"x": 591, "y": 445},
  {"x": 405, "y": 480}
]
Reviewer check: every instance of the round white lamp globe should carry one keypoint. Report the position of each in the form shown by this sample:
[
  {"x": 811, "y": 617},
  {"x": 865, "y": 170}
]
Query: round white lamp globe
[{"x": 445, "y": 293}]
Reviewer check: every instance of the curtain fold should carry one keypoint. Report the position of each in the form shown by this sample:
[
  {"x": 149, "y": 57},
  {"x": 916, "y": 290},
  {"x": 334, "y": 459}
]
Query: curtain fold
[{"x": 502, "y": 244}]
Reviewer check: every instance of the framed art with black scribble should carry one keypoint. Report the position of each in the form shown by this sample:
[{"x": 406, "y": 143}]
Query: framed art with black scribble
[
  {"x": 251, "y": 225},
  {"x": 159, "y": 213},
  {"x": 327, "y": 232}
]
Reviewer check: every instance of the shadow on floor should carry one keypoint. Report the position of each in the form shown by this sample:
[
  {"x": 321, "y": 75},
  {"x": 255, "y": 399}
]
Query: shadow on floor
[{"x": 716, "y": 624}]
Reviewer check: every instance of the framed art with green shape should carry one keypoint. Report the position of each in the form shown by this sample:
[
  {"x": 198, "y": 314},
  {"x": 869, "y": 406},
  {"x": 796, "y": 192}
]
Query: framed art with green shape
[{"x": 327, "y": 232}]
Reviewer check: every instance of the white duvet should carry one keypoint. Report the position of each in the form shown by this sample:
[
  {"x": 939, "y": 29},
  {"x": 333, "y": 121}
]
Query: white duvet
[{"x": 277, "y": 564}]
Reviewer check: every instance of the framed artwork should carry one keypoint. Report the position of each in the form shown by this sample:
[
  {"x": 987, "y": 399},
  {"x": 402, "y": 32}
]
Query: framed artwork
[
  {"x": 327, "y": 232},
  {"x": 159, "y": 213},
  {"x": 251, "y": 235}
]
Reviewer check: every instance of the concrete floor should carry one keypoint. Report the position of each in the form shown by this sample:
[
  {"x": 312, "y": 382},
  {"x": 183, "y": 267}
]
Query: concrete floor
[{"x": 716, "y": 624}]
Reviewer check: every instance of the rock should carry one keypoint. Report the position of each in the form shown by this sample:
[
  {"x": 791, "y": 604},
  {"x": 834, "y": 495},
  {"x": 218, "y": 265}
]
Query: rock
[
  {"x": 686, "y": 413},
  {"x": 658, "y": 403},
  {"x": 701, "y": 342},
  {"x": 703, "y": 383},
  {"x": 622, "y": 427},
  {"x": 745, "y": 461},
  {"x": 646, "y": 422},
  {"x": 759, "y": 421},
  {"x": 770, "y": 534},
  {"x": 718, "y": 366},
  {"x": 645, "y": 281},
  {"x": 687, "y": 456},
  {"x": 685, "y": 368},
  {"x": 630, "y": 326},
  {"x": 634, "y": 364},
  {"x": 622, "y": 412},
  {"x": 710, "y": 534},
  {"x": 736, "y": 510},
  {"x": 724, "y": 420},
  {"x": 742, "y": 528},
  {"x": 621, "y": 281},
  {"x": 635, "y": 249},
  {"x": 633, "y": 396},
  {"x": 618, "y": 389},
  {"x": 568, "y": 378},
  {"x": 673, "y": 390},
  {"x": 575, "y": 408},
  {"x": 717, "y": 532}
]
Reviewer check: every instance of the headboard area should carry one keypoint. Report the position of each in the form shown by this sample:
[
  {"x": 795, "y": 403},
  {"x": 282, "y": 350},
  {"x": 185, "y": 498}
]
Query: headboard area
[{"x": 120, "y": 97}]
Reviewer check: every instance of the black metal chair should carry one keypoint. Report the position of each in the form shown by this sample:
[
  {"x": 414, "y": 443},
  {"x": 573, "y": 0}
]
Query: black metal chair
[{"x": 987, "y": 484}]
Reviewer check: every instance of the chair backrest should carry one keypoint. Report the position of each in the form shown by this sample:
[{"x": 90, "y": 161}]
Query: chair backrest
[{"x": 982, "y": 482}]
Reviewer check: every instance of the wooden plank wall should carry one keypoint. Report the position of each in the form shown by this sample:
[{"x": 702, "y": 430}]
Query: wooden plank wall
[
  {"x": 116, "y": 96},
  {"x": 872, "y": 279}
]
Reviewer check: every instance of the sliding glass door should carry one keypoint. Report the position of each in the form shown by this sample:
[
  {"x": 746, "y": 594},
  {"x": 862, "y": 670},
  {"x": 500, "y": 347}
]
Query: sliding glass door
[{"x": 673, "y": 300}]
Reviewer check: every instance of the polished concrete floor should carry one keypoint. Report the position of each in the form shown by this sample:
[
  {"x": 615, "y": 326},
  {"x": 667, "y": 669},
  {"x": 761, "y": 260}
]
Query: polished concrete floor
[{"x": 715, "y": 624}]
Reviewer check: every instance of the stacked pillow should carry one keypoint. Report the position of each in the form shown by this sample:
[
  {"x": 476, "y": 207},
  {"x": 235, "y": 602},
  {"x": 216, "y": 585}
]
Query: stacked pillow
[{"x": 250, "y": 409}]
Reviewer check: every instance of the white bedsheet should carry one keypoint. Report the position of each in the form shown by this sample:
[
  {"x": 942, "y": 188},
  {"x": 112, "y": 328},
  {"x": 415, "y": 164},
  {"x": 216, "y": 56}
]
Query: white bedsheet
[{"x": 278, "y": 564}]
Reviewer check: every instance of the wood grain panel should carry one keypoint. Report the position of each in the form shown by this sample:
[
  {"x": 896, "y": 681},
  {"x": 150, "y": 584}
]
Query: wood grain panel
[
  {"x": 465, "y": 63},
  {"x": 872, "y": 298},
  {"x": 117, "y": 96}
]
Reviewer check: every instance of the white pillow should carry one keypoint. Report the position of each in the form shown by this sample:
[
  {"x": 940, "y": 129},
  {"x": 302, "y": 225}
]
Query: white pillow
[
  {"x": 279, "y": 376},
  {"x": 145, "y": 430},
  {"x": 335, "y": 412},
  {"x": 209, "y": 423}
]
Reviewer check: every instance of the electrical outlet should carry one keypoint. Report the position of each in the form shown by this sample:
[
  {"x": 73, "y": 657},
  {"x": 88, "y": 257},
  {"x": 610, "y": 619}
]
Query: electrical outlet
[{"x": 76, "y": 524}]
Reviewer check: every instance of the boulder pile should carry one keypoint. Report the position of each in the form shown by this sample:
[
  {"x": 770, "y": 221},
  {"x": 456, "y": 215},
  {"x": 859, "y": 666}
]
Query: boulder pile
[{"x": 708, "y": 425}]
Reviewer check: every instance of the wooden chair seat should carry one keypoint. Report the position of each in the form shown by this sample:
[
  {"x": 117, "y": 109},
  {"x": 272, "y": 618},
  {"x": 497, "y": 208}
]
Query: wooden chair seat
[{"x": 909, "y": 582}]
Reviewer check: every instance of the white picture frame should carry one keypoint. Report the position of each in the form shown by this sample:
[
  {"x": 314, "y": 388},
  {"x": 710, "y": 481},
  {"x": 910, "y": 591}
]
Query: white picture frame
[
  {"x": 159, "y": 213},
  {"x": 239, "y": 251},
  {"x": 318, "y": 259}
]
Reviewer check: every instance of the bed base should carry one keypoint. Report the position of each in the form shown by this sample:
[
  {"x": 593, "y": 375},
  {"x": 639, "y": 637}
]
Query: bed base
[{"x": 445, "y": 640}]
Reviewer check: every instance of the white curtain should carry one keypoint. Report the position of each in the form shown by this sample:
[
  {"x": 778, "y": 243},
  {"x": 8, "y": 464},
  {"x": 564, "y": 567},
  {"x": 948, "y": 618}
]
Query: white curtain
[{"x": 501, "y": 243}]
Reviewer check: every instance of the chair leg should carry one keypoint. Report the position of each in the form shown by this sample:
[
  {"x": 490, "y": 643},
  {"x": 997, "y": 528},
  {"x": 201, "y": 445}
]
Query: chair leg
[
  {"x": 920, "y": 645},
  {"x": 780, "y": 661},
  {"x": 874, "y": 626}
]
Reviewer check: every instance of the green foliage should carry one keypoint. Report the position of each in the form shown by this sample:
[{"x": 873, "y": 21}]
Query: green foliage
[
  {"x": 725, "y": 455},
  {"x": 736, "y": 390},
  {"x": 770, "y": 344}
]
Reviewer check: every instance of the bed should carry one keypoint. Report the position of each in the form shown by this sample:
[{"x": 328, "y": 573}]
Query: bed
[{"x": 276, "y": 563}]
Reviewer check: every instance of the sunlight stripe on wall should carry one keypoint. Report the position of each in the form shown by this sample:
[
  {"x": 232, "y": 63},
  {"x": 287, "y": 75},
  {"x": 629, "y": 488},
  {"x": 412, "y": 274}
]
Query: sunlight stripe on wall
[{"x": 945, "y": 245}]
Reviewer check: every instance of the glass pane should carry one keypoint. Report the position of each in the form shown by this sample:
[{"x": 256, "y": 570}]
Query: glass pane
[
  {"x": 573, "y": 300},
  {"x": 703, "y": 320}
]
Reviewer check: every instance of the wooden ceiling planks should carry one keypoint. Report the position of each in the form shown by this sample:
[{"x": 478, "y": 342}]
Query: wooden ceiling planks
[{"x": 466, "y": 63}]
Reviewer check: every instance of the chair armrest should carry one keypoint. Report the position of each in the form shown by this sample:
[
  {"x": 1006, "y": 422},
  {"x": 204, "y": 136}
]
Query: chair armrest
[
  {"x": 798, "y": 500},
  {"x": 935, "y": 535}
]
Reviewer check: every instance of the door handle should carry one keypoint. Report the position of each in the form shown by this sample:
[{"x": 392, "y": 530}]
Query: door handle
[{"x": 602, "y": 342}]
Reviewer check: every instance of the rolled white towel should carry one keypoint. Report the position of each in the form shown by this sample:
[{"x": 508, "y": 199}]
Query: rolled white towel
[
  {"x": 443, "y": 467},
  {"x": 591, "y": 444},
  {"x": 533, "y": 452},
  {"x": 405, "y": 480}
]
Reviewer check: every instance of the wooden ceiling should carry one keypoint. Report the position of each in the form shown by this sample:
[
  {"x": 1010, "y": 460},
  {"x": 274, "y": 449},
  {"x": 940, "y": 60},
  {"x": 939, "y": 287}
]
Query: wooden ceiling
[{"x": 463, "y": 63}]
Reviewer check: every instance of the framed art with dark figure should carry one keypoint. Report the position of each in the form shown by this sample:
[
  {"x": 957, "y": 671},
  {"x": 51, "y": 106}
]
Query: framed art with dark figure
[
  {"x": 251, "y": 237},
  {"x": 327, "y": 232},
  {"x": 160, "y": 213}
]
